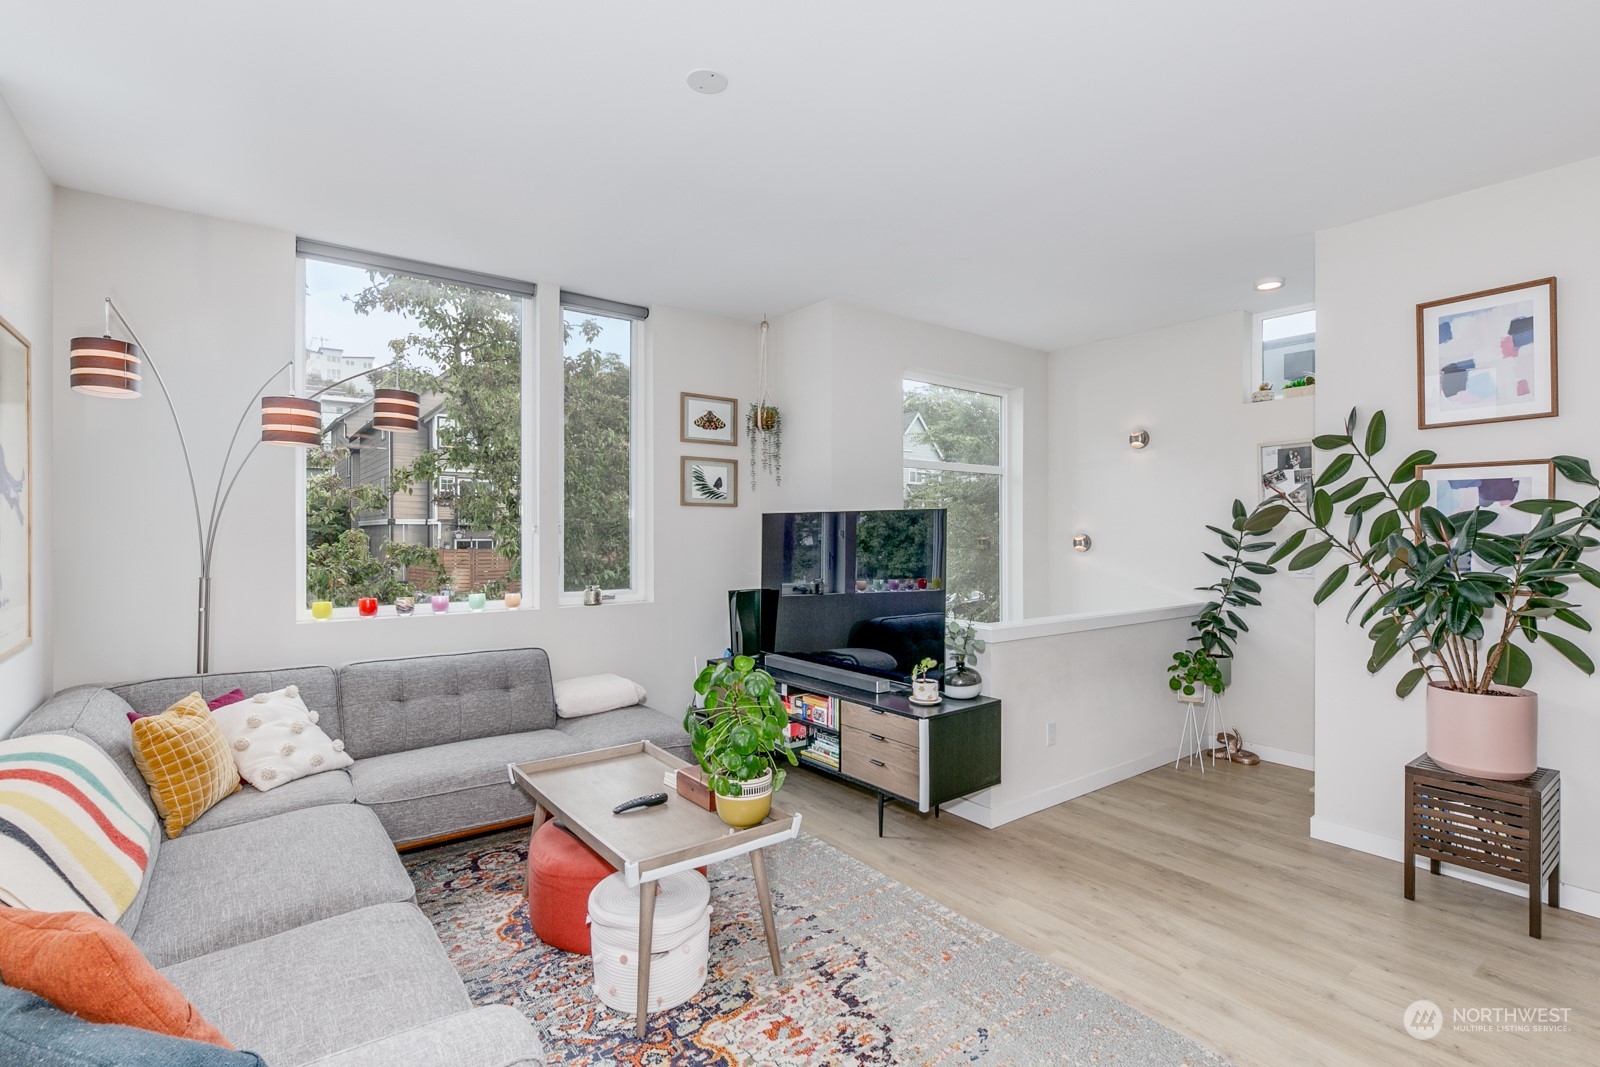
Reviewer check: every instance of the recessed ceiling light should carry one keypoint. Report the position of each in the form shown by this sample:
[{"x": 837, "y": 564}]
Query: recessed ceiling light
[
  {"x": 1266, "y": 285},
  {"x": 708, "y": 82}
]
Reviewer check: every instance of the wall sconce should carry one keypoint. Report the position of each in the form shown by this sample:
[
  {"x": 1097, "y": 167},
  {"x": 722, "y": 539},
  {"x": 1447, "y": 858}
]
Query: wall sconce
[
  {"x": 1139, "y": 439},
  {"x": 1081, "y": 542}
]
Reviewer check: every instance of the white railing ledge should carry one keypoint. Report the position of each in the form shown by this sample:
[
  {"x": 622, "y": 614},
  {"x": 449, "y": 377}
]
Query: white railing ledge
[{"x": 1049, "y": 626}]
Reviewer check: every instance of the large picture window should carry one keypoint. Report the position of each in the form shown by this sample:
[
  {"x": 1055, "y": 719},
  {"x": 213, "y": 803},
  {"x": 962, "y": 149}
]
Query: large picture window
[
  {"x": 599, "y": 542},
  {"x": 413, "y": 514},
  {"x": 953, "y": 447}
]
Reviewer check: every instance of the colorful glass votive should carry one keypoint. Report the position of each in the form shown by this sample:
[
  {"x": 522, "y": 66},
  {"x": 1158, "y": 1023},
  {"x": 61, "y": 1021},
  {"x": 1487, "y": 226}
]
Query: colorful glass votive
[
  {"x": 368, "y": 606},
  {"x": 405, "y": 605},
  {"x": 441, "y": 603},
  {"x": 513, "y": 601},
  {"x": 322, "y": 610},
  {"x": 922, "y": 583},
  {"x": 476, "y": 601}
]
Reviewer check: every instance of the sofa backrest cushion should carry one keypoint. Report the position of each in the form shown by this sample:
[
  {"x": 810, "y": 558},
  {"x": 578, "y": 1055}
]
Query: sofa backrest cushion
[
  {"x": 396, "y": 705},
  {"x": 318, "y": 688},
  {"x": 32, "y": 1030}
]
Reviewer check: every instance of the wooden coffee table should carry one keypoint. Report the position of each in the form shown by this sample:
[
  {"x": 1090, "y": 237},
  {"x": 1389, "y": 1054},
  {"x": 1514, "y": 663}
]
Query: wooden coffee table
[{"x": 647, "y": 844}]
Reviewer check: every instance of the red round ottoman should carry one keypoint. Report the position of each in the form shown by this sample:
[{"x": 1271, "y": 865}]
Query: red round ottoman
[{"x": 562, "y": 872}]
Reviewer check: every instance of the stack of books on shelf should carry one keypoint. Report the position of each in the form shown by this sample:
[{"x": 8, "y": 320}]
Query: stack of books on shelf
[
  {"x": 824, "y": 749},
  {"x": 824, "y": 711}
]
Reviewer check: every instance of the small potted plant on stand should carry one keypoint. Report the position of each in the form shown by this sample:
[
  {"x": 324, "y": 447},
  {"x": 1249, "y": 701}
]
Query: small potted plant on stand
[
  {"x": 962, "y": 639},
  {"x": 924, "y": 690},
  {"x": 1193, "y": 675},
  {"x": 1446, "y": 593},
  {"x": 735, "y": 735}
]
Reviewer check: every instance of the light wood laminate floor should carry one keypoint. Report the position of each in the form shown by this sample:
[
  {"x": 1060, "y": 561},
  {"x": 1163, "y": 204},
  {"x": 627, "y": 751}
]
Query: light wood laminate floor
[{"x": 1201, "y": 901}]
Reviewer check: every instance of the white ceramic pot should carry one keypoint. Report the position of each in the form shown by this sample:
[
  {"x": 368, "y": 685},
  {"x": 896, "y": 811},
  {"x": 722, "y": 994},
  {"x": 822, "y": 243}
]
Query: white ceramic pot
[
  {"x": 925, "y": 690},
  {"x": 1484, "y": 735}
]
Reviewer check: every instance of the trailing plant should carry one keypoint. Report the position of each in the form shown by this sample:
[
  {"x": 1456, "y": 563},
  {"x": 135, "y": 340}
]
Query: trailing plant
[
  {"x": 743, "y": 722},
  {"x": 764, "y": 426},
  {"x": 1193, "y": 671},
  {"x": 962, "y": 640},
  {"x": 1454, "y": 599},
  {"x": 1218, "y": 625}
]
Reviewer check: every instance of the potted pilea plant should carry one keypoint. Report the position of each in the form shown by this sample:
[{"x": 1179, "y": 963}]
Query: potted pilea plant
[
  {"x": 1193, "y": 675},
  {"x": 1301, "y": 386},
  {"x": 924, "y": 690},
  {"x": 962, "y": 639},
  {"x": 735, "y": 735},
  {"x": 1446, "y": 594},
  {"x": 1218, "y": 625}
]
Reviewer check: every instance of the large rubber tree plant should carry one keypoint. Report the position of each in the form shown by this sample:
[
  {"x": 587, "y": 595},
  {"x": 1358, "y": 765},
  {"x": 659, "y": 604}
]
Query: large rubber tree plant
[{"x": 1453, "y": 598}]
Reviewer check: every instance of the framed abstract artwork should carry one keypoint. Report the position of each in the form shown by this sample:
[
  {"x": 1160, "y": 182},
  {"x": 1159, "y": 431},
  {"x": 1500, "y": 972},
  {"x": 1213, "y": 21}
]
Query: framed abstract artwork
[
  {"x": 707, "y": 420},
  {"x": 16, "y": 492},
  {"x": 1286, "y": 469},
  {"x": 708, "y": 482},
  {"x": 1456, "y": 487},
  {"x": 1487, "y": 357}
]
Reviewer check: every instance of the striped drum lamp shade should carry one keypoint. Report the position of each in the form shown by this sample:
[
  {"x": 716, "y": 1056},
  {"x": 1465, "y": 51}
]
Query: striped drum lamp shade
[
  {"x": 396, "y": 410},
  {"x": 289, "y": 420},
  {"x": 102, "y": 366}
]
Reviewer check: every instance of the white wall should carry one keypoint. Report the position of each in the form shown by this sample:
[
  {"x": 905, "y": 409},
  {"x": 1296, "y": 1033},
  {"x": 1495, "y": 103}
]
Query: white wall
[
  {"x": 25, "y": 206},
  {"x": 840, "y": 370},
  {"x": 1370, "y": 277},
  {"x": 1146, "y": 510},
  {"x": 215, "y": 303}
]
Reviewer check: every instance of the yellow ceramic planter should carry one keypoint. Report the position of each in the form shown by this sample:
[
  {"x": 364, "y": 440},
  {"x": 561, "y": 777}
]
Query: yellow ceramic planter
[{"x": 750, "y": 807}]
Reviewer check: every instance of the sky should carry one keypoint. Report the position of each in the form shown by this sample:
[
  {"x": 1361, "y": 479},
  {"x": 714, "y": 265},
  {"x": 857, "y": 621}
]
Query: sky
[{"x": 331, "y": 321}]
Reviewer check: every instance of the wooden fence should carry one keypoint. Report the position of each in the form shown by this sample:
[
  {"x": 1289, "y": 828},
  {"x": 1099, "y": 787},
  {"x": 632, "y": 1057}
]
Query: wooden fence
[{"x": 466, "y": 569}]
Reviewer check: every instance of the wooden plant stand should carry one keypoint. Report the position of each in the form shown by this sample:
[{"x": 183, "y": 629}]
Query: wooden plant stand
[{"x": 1508, "y": 829}]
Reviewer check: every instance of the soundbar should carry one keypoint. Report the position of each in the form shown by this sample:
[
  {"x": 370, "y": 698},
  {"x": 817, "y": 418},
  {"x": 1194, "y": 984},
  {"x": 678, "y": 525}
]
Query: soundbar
[{"x": 837, "y": 675}]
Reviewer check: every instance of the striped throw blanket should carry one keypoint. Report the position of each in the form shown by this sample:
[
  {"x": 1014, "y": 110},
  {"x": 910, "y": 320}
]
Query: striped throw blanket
[{"x": 74, "y": 834}]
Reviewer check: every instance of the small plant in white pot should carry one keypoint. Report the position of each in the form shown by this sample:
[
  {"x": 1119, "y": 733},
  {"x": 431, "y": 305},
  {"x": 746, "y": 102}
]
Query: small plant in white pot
[
  {"x": 1193, "y": 675},
  {"x": 735, "y": 736},
  {"x": 962, "y": 639},
  {"x": 1447, "y": 593},
  {"x": 924, "y": 690}
]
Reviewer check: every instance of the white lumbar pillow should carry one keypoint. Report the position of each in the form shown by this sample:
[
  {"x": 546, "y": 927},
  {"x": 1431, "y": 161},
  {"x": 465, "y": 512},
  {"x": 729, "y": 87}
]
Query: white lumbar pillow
[
  {"x": 275, "y": 739},
  {"x": 596, "y": 693}
]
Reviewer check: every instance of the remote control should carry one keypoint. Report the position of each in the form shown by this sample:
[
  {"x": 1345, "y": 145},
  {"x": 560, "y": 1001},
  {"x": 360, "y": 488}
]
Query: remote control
[{"x": 647, "y": 801}]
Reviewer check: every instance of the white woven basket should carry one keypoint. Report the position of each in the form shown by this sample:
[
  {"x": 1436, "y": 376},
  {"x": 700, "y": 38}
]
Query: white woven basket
[{"x": 679, "y": 941}]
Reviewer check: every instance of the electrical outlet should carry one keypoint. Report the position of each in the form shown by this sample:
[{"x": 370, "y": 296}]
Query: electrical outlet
[{"x": 1049, "y": 733}]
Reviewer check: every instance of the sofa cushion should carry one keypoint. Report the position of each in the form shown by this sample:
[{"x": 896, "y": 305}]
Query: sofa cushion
[
  {"x": 326, "y": 985},
  {"x": 493, "y": 1036},
  {"x": 626, "y": 725},
  {"x": 225, "y": 887},
  {"x": 318, "y": 688},
  {"x": 249, "y": 804},
  {"x": 450, "y": 788},
  {"x": 94, "y": 714},
  {"x": 397, "y": 705},
  {"x": 275, "y": 739},
  {"x": 74, "y": 834},
  {"x": 35, "y": 1032},
  {"x": 83, "y": 964},
  {"x": 185, "y": 759}
]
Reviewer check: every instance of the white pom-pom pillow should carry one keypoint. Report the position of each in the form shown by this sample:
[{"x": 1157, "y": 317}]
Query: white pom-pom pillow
[{"x": 274, "y": 739}]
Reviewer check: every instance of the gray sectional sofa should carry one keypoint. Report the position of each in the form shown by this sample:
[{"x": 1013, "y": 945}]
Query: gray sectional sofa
[{"x": 287, "y": 917}]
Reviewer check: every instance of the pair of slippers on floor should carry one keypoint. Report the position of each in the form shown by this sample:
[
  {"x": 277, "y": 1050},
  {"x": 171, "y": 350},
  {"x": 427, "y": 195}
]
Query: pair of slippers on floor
[{"x": 1236, "y": 750}]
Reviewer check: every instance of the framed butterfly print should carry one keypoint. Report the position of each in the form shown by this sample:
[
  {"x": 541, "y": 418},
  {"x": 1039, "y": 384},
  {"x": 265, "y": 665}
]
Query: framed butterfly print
[
  {"x": 707, "y": 420},
  {"x": 707, "y": 482}
]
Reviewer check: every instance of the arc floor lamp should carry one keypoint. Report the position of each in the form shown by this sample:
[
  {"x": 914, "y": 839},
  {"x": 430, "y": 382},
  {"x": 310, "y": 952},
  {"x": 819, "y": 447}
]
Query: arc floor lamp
[{"x": 107, "y": 367}]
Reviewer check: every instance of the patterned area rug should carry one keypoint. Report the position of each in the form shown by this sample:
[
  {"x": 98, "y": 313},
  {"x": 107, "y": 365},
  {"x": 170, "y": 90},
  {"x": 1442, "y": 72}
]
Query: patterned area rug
[{"x": 874, "y": 973}]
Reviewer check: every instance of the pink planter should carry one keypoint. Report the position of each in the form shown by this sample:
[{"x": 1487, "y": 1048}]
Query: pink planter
[{"x": 1485, "y": 735}]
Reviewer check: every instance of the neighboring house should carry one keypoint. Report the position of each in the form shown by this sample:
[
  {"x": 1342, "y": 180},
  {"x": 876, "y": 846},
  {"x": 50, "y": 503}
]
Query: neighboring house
[
  {"x": 324, "y": 366},
  {"x": 424, "y": 515},
  {"x": 915, "y": 445}
]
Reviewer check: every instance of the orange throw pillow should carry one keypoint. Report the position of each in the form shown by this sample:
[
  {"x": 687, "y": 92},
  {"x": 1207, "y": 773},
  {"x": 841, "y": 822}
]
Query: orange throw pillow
[
  {"x": 185, "y": 761},
  {"x": 85, "y": 965}
]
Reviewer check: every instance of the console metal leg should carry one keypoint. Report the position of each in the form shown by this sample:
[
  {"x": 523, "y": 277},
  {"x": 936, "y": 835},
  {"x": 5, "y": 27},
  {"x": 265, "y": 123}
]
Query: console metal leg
[{"x": 880, "y": 813}]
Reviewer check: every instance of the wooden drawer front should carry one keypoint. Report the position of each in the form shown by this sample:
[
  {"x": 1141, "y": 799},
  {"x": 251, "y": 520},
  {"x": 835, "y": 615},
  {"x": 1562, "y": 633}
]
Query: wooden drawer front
[
  {"x": 883, "y": 723},
  {"x": 888, "y": 765}
]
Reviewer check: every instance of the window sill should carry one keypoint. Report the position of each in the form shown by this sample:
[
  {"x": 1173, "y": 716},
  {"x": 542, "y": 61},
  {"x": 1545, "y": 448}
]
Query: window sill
[
  {"x": 423, "y": 611},
  {"x": 575, "y": 600}
]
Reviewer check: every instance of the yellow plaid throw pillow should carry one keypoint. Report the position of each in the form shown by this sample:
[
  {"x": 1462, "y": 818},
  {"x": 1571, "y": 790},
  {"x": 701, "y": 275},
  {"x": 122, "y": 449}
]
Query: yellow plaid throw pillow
[{"x": 185, "y": 761}]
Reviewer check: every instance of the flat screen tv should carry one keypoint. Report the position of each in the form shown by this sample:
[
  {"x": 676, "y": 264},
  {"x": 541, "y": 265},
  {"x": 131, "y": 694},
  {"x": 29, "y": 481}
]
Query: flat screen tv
[{"x": 860, "y": 592}]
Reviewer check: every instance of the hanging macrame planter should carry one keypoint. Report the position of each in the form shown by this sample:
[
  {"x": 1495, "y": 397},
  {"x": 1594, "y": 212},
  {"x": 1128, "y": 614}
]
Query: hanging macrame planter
[{"x": 763, "y": 425}]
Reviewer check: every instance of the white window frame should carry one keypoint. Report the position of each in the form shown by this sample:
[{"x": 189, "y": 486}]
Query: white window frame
[
  {"x": 530, "y": 425},
  {"x": 1254, "y": 362},
  {"x": 1010, "y": 597},
  {"x": 638, "y": 462}
]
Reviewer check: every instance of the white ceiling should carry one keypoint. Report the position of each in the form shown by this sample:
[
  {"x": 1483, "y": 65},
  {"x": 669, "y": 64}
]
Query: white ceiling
[{"x": 1047, "y": 173}]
